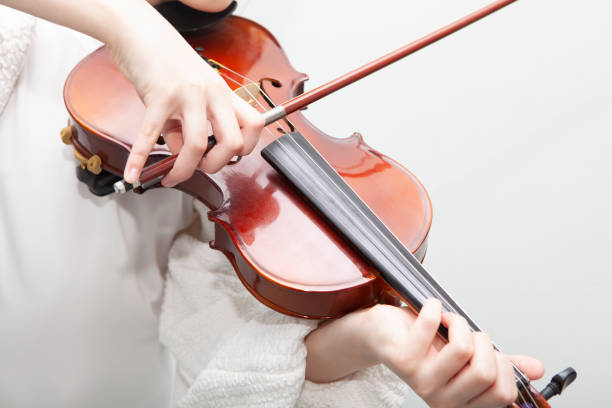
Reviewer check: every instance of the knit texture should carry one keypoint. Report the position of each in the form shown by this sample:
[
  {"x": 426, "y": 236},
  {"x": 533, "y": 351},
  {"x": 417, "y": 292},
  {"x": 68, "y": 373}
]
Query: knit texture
[
  {"x": 16, "y": 31},
  {"x": 235, "y": 352}
]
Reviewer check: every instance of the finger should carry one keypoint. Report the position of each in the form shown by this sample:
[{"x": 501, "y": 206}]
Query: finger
[
  {"x": 171, "y": 125},
  {"x": 503, "y": 392},
  {"x": 531, "y": 367},
  {"x": 251, "y": 123},
  {"x": 479, "y": 375},
  {"x": 455, "y": 355},
  {"x": 174, "y": 140},
  {"x": 195, "y": 138},
  {"x": 173, "y": 136},
  {"x": 228, "y": 136},
  {"x": 152, "y": 124},
  {"x": 425, "y": 328}
]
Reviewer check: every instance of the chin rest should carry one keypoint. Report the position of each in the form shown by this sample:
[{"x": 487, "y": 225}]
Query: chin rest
[
  {"x": 99, "y": 184},
  {"x": 189, "y": 21}
]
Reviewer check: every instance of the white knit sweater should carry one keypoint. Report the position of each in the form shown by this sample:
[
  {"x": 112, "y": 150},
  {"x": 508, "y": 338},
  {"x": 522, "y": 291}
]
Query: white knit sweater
[
  {"x": 235, "y": 352},
  {"x": 16, "y": 31},
  {"x": 231, "y": 350}
]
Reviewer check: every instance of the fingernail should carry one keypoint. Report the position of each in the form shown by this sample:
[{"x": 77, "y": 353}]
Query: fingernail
[
  {"x": 167, "y": 184},
  {"x": 131, "y": 175}
]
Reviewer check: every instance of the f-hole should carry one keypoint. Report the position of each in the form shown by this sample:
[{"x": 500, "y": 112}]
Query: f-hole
[{"x": 276, "y": 84}]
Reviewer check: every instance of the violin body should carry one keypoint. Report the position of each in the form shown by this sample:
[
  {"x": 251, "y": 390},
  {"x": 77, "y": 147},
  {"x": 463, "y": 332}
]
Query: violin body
[
  {"x": 288, "y": 255},
  {"x": 283, "y": 252}
]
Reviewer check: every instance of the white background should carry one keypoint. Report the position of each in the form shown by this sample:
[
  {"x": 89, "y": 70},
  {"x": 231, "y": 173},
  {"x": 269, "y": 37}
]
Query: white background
[{"x": 509, "y": 126}]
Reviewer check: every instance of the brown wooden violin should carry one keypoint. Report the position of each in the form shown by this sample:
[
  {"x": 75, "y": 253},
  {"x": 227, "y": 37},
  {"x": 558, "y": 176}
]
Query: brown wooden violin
[{"x": 322, "y": 226}]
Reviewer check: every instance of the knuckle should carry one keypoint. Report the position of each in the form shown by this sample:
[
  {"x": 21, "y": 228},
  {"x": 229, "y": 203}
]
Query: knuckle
[
  {"x": 460, "y": 320},
  {"x": 463, "y": 350},
  {"x": 214, "y": 169},
  {"x": 217, "y": 88},
  {"x": 184, "y": 172},
  {"x": 150, "y": 129},
  {"x": 254, "y": 121},
  {"x": 209, "y": 167},
  {"x": 196, "y": 147},
  {"x": 170, "y": 94},
  {"x": 485, "y": 374},
  {"x": 429, "y": 322},
  {"x": 484, "y": 337},
  {"x": 507, "y": 395},
  {"x": 200, "y": 149},
  {"x": 193, "y": 86},
  {"x": 218, "y": 84},
  {"x": 235, "y": 145},
  {"x": 138, "y": 154},
  {"x": 247, "y": 149},
  {"x": 176, "y": 176}
]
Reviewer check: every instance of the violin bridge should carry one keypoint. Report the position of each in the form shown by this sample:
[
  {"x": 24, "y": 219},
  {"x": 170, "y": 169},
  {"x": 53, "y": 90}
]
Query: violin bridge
[{"x": 249, "y": 93}]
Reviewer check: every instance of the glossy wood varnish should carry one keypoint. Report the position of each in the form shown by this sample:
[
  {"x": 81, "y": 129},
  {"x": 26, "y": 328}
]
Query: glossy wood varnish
[
  {"x": 285, "y": 255},
  {"x": 282, "y": 251}
]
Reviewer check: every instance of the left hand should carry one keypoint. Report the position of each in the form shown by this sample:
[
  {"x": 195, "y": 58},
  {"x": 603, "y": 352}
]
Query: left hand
[{"x": 465, "y": 372}]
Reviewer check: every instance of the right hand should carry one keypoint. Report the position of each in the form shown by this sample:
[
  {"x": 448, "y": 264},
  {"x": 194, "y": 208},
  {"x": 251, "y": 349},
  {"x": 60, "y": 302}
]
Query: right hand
[{"x": 176, "y": 84}]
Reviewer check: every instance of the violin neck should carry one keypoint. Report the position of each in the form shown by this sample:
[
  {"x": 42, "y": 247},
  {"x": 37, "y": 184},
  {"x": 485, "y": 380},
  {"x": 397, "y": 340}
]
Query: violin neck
[
  {"x": 307, "y": 171},
  {"x": 321, "y": 186}
]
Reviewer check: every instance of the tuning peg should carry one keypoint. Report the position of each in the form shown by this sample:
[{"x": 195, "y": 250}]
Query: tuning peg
[
  {"x": 67, "y": 133},
  {"x": 559, "y": 382}
]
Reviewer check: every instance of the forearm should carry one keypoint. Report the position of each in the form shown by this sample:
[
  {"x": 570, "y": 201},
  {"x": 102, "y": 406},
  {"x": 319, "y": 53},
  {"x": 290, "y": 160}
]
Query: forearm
[
  {"x": 110, "y": 21},
  {"x": 337, "y": 349},
  {"x": 100, "y": 19}
]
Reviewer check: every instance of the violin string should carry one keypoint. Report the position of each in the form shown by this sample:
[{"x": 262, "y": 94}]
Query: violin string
[
  {"x": 433, "y": 292},
  {"x": 520, "y": 394},
  {"x": 520, "y": 377},
  {"x": 254, "y": 98},
  {"x": 525, "y": 384},
  {"x": 387, "y": 250},
  {"x": 260, "y": 90},
  {"x": 431, "y": 289}
]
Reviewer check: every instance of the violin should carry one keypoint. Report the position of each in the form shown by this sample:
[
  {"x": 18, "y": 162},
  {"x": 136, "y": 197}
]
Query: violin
[{"x": 315, "y": 227}]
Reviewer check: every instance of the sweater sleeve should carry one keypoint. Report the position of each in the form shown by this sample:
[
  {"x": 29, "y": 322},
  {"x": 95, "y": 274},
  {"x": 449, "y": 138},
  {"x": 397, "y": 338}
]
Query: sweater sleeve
[
  {"x": 16, "y": 31},
  {"x": 233, "y": 351}
]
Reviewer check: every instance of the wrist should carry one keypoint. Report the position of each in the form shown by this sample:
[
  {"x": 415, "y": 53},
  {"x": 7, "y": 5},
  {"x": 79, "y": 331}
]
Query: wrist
[
  {"x": 340, "y": 347},
  {"x": 368, "y": 334},
  {"x": 119, "y": 21},
  {"x": 96, "y": 18}
]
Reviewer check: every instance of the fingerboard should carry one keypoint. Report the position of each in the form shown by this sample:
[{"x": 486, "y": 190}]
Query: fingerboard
[
  {"x": 321, "y": 186},
  {"x": 324, "y": 189}
]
